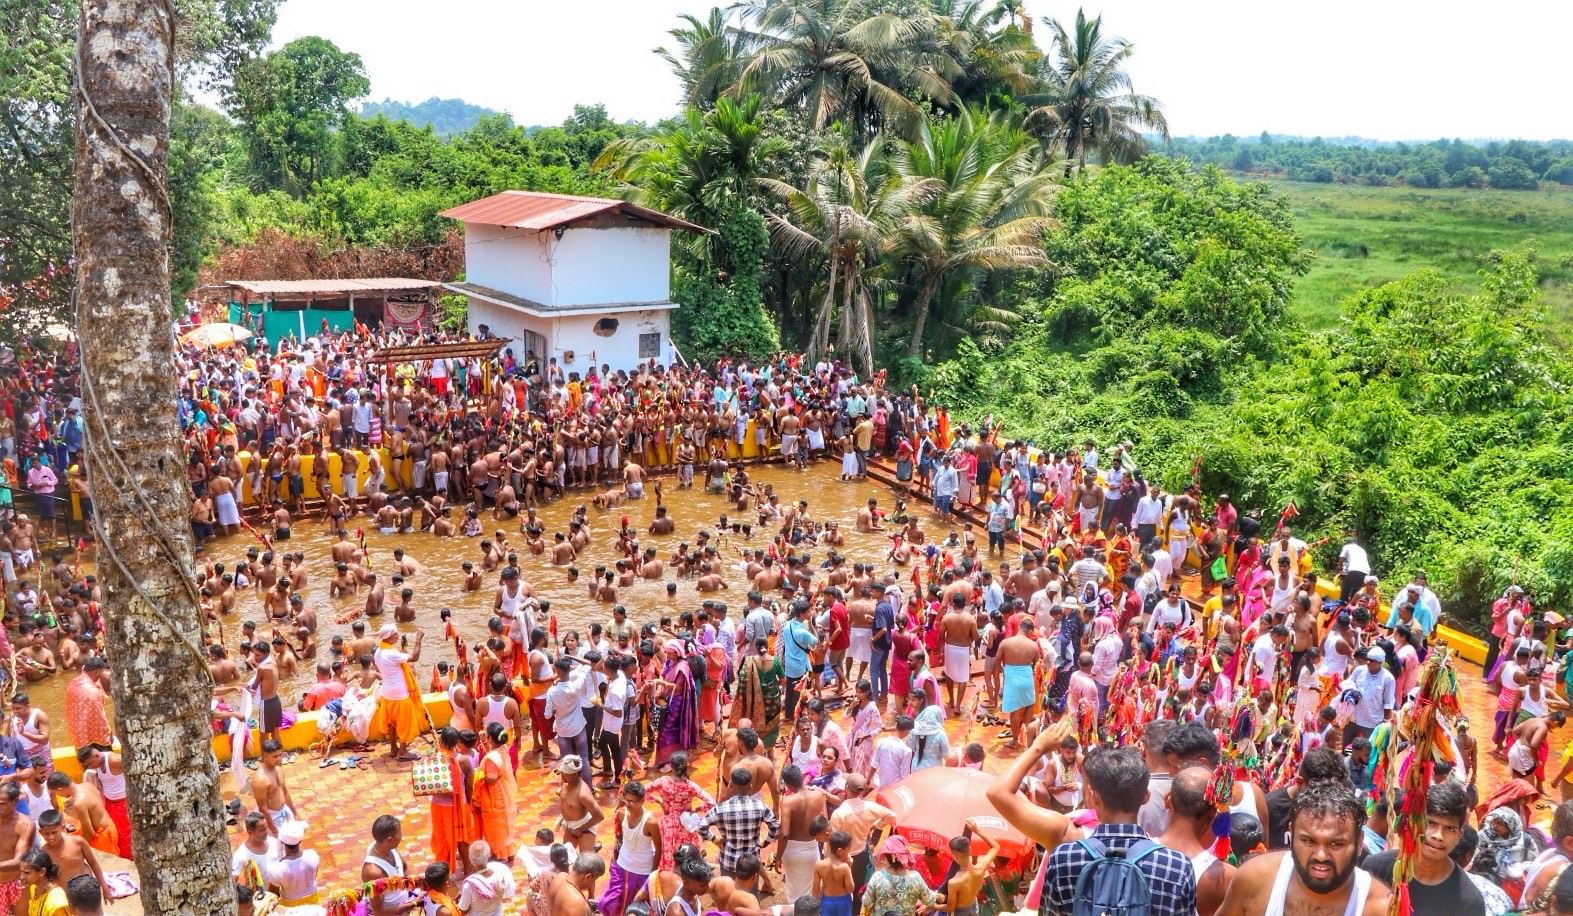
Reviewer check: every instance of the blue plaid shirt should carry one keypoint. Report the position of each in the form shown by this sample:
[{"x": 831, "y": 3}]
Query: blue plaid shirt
[{"x": 1170, "y": 877}]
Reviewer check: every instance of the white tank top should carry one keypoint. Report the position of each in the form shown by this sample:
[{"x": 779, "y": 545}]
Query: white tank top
[
  {"x": 637, "y": 854},
  {"x": 510, "y": 606},
  {"x": 16, "y": 729},
  {"x": 37, "y": 804},
  {"x": 1333, "y": 664},
  {"x": 1247, "y": 802},
  {"x": 1280, "y": 892},
  {"x": 1201, "y": 862},
  {"x": 394, "y": 869},
  {"x": 496, "y": 711},
  {"x": 1186, "y": 683},
  {"x": 113, "y": 785},
  {"x": 1534, "y": 707}
]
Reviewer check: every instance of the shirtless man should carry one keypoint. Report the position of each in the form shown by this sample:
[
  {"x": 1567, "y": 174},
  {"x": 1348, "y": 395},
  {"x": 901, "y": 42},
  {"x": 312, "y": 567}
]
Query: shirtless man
[
  {"x": 579, "y": 812},
  {"x": 961, "y": 892},
  {"x": 633, "y": 480},
  {"x": 650, "y": 566},
  {"x": 709, "y": 581},
  {"x": 68, "y": 850},
  {"x": 562, "y": 552},
  {"x": 220, "y": 667},
  {"x": 662, "y": 523},
  {"x": 868, "y": 519},
  {"x": 85, "y": 805},
  {"x": 1190, "y": 834},
  {"x": 1089, "y": 502},
  {"x": 961, "y": 633},
  {"x": 1018, "y": 657},
  {"x": 1317, "y": 874},
  {"x": 796, "y": 854},
  {"x": 376, "y": 596},
  {"x": 1530, "y": 735},
  {"x": 16, "y": 838},
  {"x": 360, "y": 643},
  {"x": 268, "y": 788},
  {"x": 409, "y": 567},
  {"x": 860, "y": 621},
  {"x": 761, "y": 770}
]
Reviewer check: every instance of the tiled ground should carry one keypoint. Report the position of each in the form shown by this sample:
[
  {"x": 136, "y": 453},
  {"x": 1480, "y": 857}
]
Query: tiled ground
[{"x": 340, "y": 805}]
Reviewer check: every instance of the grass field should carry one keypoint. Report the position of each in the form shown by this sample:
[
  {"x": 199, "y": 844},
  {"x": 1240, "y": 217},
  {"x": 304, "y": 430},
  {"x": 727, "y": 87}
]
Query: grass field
[{"x": 1365, "y": 236}]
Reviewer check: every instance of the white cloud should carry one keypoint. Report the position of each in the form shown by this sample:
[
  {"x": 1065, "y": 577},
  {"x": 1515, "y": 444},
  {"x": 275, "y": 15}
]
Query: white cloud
[{"x": 1388, "y": 69}]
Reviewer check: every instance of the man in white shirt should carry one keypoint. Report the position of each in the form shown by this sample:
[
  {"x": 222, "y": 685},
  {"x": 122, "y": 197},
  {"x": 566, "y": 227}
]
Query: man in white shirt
[
  {"x": 1264, "y": 658},
  {"x": 1149, "y": 509},
  {"x": 1356, "y": 565},
  {"x": 758, "y": 623},
  {"x": 1378, "y": 696},
  {"x": 564, "y": 701},
  {"x": 1042, "y": 600},
  {"x": 944, "y": 485}
]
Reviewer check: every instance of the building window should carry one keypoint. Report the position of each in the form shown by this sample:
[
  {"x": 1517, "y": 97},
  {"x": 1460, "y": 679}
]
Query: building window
[
  {"x": 606, "y": 327},
  {"x": 650, "y": 345}
]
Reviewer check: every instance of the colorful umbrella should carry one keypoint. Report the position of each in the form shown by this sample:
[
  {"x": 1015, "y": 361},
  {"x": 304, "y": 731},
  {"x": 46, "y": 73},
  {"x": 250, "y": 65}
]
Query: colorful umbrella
[
  {"x": 932, "y": 804},
  {"x": 218, "y": 334}
]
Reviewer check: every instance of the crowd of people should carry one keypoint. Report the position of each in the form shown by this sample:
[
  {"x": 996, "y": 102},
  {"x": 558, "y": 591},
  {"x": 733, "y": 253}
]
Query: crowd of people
[{"x": 1182, "y": 706}]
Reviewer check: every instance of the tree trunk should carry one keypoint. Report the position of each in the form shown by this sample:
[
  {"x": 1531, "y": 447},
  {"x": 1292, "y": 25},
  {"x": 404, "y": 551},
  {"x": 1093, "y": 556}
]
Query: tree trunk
[
  {"x": 827, "y": 306},
  {"x": 160, "y": 682},
  {"x": 921, "y": 306},
  {"x": 863, "y": 344}
]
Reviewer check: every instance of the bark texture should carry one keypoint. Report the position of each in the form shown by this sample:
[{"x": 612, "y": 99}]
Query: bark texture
[{"x": 125, "y": 61}]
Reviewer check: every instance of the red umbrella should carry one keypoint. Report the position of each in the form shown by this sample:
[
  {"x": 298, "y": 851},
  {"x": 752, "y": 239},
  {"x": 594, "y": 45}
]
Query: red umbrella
[{"x": 932, "y": 804}]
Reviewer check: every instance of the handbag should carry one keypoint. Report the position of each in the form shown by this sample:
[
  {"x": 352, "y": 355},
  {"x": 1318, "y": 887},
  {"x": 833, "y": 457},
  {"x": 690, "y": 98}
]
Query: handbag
[{"x": 431, "y": 776}]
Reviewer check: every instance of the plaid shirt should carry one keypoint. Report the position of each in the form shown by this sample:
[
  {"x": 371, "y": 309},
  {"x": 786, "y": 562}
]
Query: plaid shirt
[
  {"x": 1170, "y": 877},
  {"x": 740, "y": 817}
]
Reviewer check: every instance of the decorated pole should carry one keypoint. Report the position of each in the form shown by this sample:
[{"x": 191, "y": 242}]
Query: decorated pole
[{"x": 1431, "y": 739}]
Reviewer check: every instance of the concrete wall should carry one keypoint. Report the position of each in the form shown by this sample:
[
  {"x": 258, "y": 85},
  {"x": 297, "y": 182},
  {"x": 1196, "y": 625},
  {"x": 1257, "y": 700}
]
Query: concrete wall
[
  {"x": 506, "y": 321},
  {"x": 596, "y": 266},
  {"x": 576, "y": 333},
  {"x": 514, "y": 261}
]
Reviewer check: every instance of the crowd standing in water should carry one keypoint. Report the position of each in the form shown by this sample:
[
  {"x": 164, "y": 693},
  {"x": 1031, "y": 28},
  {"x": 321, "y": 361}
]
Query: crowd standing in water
[{"x": 1266, "y": 749}]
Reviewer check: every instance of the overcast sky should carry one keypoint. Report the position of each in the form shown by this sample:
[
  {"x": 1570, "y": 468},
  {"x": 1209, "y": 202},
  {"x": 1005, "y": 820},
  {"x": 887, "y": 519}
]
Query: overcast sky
[{"x": 1385, "y": 69}]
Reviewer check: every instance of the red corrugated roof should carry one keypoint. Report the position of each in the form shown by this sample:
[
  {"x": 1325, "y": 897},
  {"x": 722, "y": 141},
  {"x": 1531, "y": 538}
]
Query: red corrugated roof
[{"x": 533, "y": 210}]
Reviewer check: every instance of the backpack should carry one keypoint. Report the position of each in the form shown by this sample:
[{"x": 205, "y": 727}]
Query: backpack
[
  {"x": 1113, "y": 884},
  {"x": 1150, "y": 601}
]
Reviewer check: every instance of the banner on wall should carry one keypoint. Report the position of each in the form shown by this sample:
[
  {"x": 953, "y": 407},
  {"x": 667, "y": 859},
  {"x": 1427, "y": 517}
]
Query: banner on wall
[{"x": 407, "y": 314}]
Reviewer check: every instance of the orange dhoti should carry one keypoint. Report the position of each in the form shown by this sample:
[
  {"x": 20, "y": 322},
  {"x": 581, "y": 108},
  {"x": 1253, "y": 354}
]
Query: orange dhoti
[
  {"x": 451, "y": 827},
  {"x": 107, "y": 839},
  {"x": 398, "y": 719},
  {"x": 495, "y": 802}
]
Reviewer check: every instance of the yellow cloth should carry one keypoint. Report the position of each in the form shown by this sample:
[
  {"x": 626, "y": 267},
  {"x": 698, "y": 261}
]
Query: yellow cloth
[
  {"x": 496, "y": 802},
  {"x": 301, "y": 901},
  {"x": 47, "y": 904}
]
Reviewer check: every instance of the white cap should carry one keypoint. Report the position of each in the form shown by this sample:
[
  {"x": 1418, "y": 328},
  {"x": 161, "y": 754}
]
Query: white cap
[
  {"x": 291, "y": 833},
  {"x": 1375, "y": 654},
  {"x": 388, "y": 633}
]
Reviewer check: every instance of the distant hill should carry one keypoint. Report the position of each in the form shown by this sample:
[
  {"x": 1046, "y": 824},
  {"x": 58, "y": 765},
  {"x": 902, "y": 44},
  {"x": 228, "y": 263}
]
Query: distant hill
[{"x": 445, "y": 116}]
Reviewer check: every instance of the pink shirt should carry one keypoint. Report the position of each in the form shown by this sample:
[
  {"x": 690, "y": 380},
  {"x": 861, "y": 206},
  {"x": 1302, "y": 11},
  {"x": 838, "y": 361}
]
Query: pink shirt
[{"x": 1083, "y": 689}]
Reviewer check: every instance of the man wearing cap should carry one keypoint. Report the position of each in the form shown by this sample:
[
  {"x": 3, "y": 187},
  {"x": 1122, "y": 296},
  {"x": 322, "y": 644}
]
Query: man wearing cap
[
  {"x": 294, "y": 870},
  {"x": 398, "y": 705},
  {"x": 578, "y": 810},
  {"x": 1378, "y": 695},
  {"x": 1428, "y": 607}
]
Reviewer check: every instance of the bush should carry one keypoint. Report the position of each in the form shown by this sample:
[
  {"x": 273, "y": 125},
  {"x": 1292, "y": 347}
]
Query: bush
[{"x": 1511, "y": 174}]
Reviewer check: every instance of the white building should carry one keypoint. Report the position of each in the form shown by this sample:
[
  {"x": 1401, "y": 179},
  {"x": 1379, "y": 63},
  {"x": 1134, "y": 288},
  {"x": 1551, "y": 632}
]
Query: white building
[{"x": 583, "y": 279}]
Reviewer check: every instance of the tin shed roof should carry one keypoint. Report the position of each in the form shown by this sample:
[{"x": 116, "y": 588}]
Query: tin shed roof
[{"x": 538, "y": 211}]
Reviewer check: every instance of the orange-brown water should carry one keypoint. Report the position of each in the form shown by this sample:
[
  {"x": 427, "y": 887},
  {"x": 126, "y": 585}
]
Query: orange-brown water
[{"x": 439, "y": 584}]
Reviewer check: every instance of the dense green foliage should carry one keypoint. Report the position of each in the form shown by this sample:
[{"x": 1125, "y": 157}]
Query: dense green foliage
[
  {"x": 444, "y": 116},
  {"x": 1364, "y": 236},
  {"x": 722, "y": 310},
  {"x": 1518, "y": 165},
  {"x": 1432, "y": 422}
]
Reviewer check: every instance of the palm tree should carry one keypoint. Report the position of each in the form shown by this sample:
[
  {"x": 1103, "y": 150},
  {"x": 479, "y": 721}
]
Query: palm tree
[
  {"x": 839, "y": 60},
  {"x": 980, "y": 196},
  {"x": 995, "y": 59},
  {"x": 844, "y": 214},
  {"x": 703, "y": 168},
  {"x": 707, "y": 61},
  {"x": 1089, "y": 103}
]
